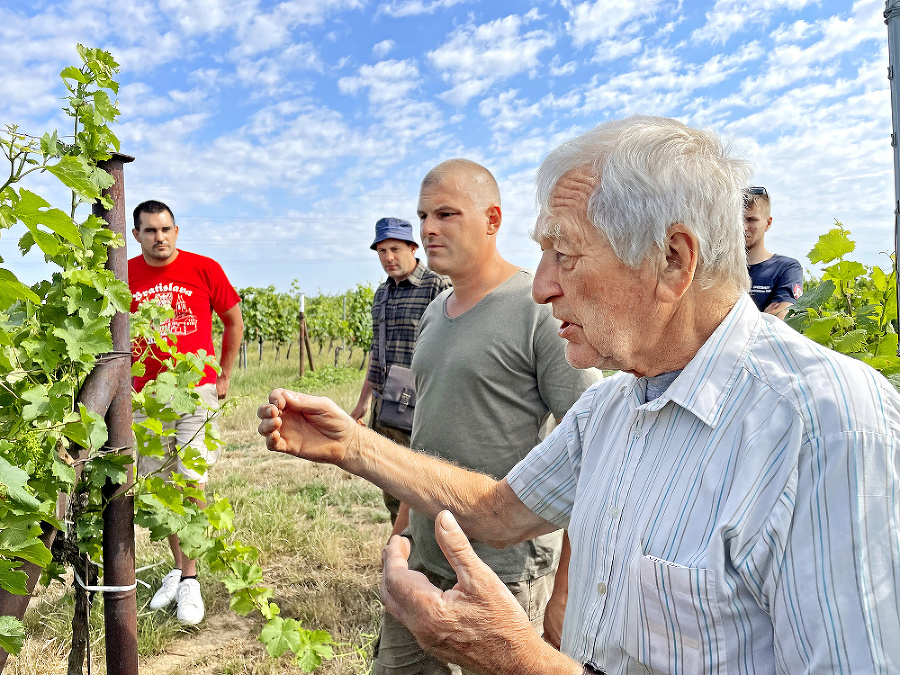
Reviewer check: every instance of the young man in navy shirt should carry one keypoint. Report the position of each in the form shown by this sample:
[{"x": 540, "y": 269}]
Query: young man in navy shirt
[{"x": 776, "y": 280}]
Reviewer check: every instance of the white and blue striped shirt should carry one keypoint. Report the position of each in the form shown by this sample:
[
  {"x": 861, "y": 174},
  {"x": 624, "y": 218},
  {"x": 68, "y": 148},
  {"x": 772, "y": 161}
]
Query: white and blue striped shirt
[{"x": 745, "y": 522}]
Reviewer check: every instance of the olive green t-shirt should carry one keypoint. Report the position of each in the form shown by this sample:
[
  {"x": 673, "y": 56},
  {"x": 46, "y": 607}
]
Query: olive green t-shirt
[{"x": 485, "y": 382}]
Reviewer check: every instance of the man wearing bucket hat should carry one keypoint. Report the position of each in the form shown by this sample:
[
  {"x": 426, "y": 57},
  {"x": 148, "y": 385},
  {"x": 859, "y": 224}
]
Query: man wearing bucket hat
[{"x": 399, "y": 304}]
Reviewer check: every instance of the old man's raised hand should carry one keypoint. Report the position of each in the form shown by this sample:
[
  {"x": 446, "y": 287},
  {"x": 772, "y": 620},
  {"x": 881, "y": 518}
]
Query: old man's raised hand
[{"x": 309, "y": 427}]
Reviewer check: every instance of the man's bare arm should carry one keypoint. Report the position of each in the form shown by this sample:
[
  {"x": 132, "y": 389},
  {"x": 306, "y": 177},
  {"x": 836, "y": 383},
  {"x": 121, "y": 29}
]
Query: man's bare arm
[
  {"x": 365, "y": 400},
  {"x": 555, "y": 611},
  {"x": 778, "y": 309},
  {"x": 316, "y": 429},
  {"x": 233, "y": 333}
]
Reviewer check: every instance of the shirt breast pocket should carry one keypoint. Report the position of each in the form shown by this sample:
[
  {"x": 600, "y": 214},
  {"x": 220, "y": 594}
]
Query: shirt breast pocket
[{"x": 673, "y": 618}]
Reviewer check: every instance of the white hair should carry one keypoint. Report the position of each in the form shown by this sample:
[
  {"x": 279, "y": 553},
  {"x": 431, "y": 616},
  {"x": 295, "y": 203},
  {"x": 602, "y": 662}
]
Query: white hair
[{"x": 650, "y": 173}]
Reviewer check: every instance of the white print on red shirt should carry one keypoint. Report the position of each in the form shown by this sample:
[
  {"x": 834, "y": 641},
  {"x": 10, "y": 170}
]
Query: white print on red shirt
[{"x": 184, "y": 322}]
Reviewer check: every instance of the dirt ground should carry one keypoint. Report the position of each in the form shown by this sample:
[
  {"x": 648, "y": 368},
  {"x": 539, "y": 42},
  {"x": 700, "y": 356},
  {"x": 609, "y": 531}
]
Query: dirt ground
[{"x": 224, "y": 637}]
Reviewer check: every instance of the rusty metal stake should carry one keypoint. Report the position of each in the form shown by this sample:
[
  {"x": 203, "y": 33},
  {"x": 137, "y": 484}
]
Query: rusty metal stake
[{"x": 119, "y": 607}]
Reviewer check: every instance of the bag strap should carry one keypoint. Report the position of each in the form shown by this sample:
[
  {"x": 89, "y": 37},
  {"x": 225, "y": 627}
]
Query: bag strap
[{"x": 382, "y": 331}]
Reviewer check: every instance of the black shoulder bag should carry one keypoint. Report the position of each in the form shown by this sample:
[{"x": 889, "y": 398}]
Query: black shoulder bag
[{"x": 398, "y": 393}]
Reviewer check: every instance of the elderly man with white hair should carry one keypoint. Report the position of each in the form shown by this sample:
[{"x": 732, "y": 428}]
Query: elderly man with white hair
[{"x": 731, "y": 496}]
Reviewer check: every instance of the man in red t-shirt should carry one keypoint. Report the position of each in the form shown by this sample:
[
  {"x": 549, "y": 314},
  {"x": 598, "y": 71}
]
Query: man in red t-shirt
[{"x": 194, "y": 286}]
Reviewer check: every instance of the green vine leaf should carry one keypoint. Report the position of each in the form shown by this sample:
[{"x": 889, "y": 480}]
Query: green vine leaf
[
  {"x": 38, "y": 403},
  {"x": 820, "y": 329},
  {"x": 852, "y": 342},
  {"x": 281, "y": 635},
  {"x": 75, "y": 174},
  {"x": 90, "y": 432},
  {"x": 315, "y": 647},
  {"x": 845, "y": 271},
  {"x": 34, "y": 211},
  {"x": 109, "y": 467},
  {"x": 15, "y": 480},
  {"x": 243, "y": 576},
  {"x": 221, "y": 515},
  {"x": 853, "y": 309},
  {"x": 831, "y": 246},
  {"x": 73, "y": 73},
  {"x": 51, "y": 336},
  {"x": 13, "y": 580},
  {"x": 24, "y": 544},
  {"x": 12, "y": 290},
  {"x": 85, "y": 336},
  {"x": 12, "y": 634}
]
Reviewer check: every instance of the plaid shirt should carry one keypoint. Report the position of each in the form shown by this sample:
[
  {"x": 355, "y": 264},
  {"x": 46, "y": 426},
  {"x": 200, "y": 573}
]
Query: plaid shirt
[{"x": 406, "y": 302}]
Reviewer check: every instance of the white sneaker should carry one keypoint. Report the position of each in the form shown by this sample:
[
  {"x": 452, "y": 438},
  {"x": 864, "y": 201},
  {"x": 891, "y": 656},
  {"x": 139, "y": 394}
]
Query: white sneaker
[
  {"x": 166, "y": 593},
  {"x": 190, "y": 602}
]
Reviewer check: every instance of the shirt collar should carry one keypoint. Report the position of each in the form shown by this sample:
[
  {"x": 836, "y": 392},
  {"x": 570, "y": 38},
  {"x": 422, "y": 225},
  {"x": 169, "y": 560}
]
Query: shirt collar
[
  {"x": 415, "y": 277},
  {"x": 704, "y": 384}
]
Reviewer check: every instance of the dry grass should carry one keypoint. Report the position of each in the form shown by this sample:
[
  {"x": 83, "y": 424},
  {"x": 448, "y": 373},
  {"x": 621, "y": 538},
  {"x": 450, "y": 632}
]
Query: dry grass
[{"x": 319, "y": 532}]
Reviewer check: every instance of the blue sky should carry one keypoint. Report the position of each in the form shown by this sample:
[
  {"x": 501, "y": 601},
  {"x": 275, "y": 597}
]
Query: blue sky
[{"x": 279, "y": 132}]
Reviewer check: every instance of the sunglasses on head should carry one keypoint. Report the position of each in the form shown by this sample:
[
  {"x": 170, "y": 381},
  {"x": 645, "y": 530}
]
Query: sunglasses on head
[{"x": 757, "y": 190}]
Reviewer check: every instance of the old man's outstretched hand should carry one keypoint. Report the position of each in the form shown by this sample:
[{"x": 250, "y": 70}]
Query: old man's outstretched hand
[{"x": 309, "y": 427}]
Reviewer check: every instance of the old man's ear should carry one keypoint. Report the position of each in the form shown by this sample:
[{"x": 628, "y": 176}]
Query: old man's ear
[{"x": 680, "y": 264}]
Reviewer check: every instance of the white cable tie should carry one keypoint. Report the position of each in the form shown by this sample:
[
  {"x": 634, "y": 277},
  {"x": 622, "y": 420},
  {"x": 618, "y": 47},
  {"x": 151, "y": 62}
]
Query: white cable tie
[
  {"x": 149, "y": 567},
  {"x": 106, "y": 589}
]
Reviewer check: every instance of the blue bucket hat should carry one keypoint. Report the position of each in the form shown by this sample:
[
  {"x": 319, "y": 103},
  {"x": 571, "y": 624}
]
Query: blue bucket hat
[{"x": 392, "y": 228}]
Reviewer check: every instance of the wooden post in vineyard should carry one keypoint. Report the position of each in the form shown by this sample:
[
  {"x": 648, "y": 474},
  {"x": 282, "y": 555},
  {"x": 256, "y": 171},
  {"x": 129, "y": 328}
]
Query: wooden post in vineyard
[{"x": 303, "y": 340}]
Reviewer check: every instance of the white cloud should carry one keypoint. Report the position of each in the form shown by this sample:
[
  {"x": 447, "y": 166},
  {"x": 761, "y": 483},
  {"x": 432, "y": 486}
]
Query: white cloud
[
  {"x": 231, "y": 105},
  {"x": 248, "y": 17},
  {"x": 383, "y": 48},
  {"x": 477, "y": 56},
  {"x": 659, "y": 82},
  {"x": 153, "y": 50},
  {"x": 401, "y": 8},
  {"x": 262, "y": 33},
  {"x": 28, "y": 92},
  {"x": 196, "y": 17},
  {"x": 174, "y": 134},
  {"x": 612, "y": 49},
  {"x": 385, "y": 81},
  {"x": 208, "y": 78},
  {"x": 789, "y": 63},
  {"x": 138, "y": 100},
  {"x": 604, "y": 19},
  {"x": 272, "y": 75},
  {"x": 730, "y": 16},
  {"x": 505, "y": 112},
  {"x": 390, "y": 86},
  {"x": 316, "y": 11},
  {"x": 795, "y": 32},
  {"x": 558, "y": 69}
]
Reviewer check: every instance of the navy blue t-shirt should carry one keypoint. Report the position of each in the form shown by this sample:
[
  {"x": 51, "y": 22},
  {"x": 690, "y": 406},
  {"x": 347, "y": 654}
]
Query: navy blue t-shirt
[{"x": 778, "y": 279}]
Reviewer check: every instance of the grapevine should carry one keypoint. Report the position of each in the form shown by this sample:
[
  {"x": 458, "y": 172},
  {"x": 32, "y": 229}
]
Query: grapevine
[
  {"x": 270, "y": 316},
  {"x": 52, "y": 334},
  {"x": 852, "y": 308}
]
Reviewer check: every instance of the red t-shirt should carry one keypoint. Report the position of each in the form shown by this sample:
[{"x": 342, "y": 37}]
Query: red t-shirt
[{"x": 195, "y": 286}]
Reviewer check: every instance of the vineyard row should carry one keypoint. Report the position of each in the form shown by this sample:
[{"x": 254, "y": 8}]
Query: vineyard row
[{"x": 342, "y": 321}]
